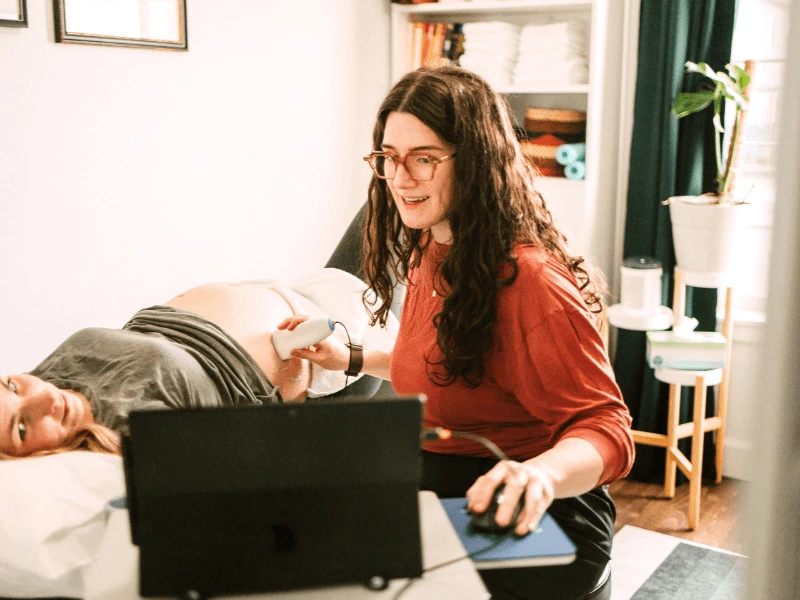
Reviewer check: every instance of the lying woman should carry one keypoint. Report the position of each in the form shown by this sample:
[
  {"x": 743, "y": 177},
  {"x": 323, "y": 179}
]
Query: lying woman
[{"x": 210, "y": 346}]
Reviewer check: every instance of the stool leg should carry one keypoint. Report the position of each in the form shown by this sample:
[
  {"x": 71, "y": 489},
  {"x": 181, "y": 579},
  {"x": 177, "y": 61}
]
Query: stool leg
[
  {"x": 697, "y": 451},
  {"x": 722, "y": 400},
  {"x": 678, "y": 297},
  {"x": 673, "y": 417}
]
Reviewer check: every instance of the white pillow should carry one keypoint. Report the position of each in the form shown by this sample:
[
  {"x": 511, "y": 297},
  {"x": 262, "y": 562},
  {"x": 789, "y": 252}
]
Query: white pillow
[{"x": 52, "y": 518}]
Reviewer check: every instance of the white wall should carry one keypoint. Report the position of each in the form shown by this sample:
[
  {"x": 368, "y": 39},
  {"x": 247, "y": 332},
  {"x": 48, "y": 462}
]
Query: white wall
[
  {"x": 743, "y": 398},
  {"x": 771, "y": 529},
  {"x": 128, "y": 175}
]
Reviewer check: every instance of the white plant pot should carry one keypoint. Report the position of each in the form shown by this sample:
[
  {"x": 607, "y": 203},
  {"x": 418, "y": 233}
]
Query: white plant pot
[{"x": 705, "y": 235}]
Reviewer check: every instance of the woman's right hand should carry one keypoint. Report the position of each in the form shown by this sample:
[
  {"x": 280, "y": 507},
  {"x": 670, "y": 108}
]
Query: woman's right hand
[
  {"x": 330, "y": 353},
  {"x": 291, "y": 322}
]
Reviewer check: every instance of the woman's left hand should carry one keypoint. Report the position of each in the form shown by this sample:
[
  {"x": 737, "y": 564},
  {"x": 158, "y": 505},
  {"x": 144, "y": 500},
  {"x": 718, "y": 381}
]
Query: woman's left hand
[{"x": 536, "y": 483}]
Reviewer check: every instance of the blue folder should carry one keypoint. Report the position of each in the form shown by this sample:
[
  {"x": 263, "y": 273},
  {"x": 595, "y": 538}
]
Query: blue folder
[{"x": 548, "y": 545}]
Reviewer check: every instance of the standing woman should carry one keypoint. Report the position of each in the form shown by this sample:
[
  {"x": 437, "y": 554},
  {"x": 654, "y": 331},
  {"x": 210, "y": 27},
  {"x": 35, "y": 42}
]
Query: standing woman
[{"x": 499, "y": 327}]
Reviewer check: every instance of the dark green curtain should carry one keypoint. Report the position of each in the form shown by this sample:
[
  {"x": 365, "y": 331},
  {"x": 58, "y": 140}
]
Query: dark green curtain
[{"x": 668, "y": 158}]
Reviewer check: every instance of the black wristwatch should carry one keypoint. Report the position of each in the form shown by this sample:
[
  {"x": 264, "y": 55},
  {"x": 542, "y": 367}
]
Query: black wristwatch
[{"x": 356, "y": 360}]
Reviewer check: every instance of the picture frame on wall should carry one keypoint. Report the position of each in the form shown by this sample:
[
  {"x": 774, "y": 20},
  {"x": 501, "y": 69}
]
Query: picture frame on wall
[
  {"x": 13, "y": 13},
  {"x": 159, "y": 24}
]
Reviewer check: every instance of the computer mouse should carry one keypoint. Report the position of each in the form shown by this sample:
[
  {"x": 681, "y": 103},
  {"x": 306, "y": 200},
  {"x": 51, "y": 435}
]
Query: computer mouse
[{"x": 485, "y": 521}]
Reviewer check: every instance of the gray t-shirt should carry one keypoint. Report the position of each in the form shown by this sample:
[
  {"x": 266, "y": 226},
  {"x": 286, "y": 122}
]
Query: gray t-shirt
[{"x": 164, "y": 357}]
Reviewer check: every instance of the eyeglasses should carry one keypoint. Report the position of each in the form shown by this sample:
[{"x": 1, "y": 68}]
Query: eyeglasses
[{"x": 419, "y": 165}]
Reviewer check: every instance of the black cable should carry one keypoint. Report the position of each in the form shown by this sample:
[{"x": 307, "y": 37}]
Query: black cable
[
  {"x": 446, "y": 563},
  {"x": 440, "y": 433},
  {"x": 349, "y": 345}
]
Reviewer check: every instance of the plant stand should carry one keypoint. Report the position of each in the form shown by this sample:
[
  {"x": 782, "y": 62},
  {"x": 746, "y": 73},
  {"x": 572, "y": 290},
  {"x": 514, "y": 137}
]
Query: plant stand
[
  {"x": 684, "y": 279},
  {"x": 700, "y": 380}
]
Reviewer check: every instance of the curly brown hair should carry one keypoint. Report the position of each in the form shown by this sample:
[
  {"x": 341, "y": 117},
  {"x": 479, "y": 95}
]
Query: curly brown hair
[{"x": 494, "y": 207}]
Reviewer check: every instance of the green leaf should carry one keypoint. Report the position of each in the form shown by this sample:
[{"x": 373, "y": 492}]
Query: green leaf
[
  {"x": 717, "y": 110},
  {"x": 741, "y": 101},
  {"x": 732, "y": 91},
  {"x": 701, "y": 68},
  {"x": 687, "y": 103},
  {"x": 739, "y": 75},
  {"x": 707, "y": 71}
]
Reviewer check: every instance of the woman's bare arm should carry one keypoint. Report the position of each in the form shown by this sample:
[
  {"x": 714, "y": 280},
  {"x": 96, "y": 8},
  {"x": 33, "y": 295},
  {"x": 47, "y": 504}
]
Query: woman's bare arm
[{"x": 333, "y": 355}]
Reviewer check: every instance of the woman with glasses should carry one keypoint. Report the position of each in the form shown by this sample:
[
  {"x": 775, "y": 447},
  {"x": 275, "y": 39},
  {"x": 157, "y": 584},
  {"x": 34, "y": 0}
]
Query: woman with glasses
[{"x": 499, "y": 327}]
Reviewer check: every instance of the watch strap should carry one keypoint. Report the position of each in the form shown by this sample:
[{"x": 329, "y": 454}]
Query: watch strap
[{"x": 356, "y": 360}]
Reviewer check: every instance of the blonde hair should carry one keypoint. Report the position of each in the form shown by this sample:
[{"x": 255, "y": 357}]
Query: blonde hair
[{"x": 92, "y": 438}]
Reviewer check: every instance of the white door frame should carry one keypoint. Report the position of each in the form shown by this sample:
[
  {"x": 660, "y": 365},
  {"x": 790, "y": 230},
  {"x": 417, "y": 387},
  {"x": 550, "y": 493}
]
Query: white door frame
[{"x": 770, "y": 524}]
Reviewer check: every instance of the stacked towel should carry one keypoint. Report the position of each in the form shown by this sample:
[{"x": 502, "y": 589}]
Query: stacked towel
[
  {"x": 573, "y": 157},
  {"x": 570, "y": 153},
  {"x": 490, "y": 50},
  {"x": 575, "y": 171},
  {"x": 552, "y": 53}
]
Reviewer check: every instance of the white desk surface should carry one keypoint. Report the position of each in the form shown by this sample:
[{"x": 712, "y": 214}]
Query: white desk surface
[{"x": 115, "y": 574}]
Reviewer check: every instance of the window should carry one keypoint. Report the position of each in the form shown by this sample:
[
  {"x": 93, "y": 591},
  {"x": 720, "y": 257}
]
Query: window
[{"x": 760, "y": 34}]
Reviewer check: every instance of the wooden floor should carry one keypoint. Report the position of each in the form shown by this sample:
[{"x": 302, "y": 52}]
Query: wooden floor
[{"x": 644, "y": 505}]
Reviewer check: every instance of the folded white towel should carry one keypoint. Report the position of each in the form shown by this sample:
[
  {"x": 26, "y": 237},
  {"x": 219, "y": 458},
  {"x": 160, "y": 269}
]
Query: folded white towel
[
  {"x": 554, "y": 30},
  {"x": 497, "y": 74},
  {"x": 573, "y": 70},
  {"x": 572, "y": 75},
  {"x": 490, "y": 27},
  {"x": 544, "y": 46},
  {"x": 509, "y": 48},
  {"x": 556, "y": 64},
  {"x": 527, "y": 62},
  {"x": 558, "y": 29},
  {"x": 502, "y": 61},
  {"x": 570, "y": 38},
  {"x": 481, "y": 63},
  {"x": 554, "y": 55},
  {"x": 510, "y": 39}
]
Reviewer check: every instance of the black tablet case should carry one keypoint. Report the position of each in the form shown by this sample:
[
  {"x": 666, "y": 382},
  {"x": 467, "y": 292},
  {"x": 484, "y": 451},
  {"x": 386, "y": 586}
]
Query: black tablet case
[{"x": 246, "y": 500}]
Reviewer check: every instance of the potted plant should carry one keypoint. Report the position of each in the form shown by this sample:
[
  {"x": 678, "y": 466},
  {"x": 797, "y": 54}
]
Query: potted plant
[{"x": 704, "y": 228}]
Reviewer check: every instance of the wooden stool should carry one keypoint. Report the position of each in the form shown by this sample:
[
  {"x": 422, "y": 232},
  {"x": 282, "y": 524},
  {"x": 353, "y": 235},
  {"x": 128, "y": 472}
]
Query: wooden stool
[
  {"x": 696, "y": 428},
  {"x": 701, "y": 380}
]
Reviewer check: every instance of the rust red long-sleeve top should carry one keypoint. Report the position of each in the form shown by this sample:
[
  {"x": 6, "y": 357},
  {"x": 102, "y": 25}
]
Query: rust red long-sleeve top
[{"x": 547, "y": 378}]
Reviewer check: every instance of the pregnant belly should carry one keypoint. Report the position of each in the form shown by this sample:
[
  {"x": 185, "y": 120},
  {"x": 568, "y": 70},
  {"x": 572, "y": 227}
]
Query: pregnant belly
[
  {"x": 249, "y": 313},
  {"x": 243, "y": 311}
]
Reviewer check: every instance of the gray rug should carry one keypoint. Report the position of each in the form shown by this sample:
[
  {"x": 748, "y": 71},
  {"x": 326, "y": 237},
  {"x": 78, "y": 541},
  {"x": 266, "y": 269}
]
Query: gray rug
[
  {"x": 652, "y": 566},
  {"x": 695, "y": 573}
]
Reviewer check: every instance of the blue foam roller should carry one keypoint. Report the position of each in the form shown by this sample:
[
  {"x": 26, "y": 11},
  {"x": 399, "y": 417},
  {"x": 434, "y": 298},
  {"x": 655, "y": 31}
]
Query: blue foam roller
[
  {"x": 570, "y": 153},
  {"x": 575, "y": 171}
]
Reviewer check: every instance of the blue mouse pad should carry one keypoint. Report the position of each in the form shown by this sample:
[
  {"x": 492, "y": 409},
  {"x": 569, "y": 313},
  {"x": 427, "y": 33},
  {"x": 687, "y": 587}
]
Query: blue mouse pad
[{"x": 548, "y": 545}]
